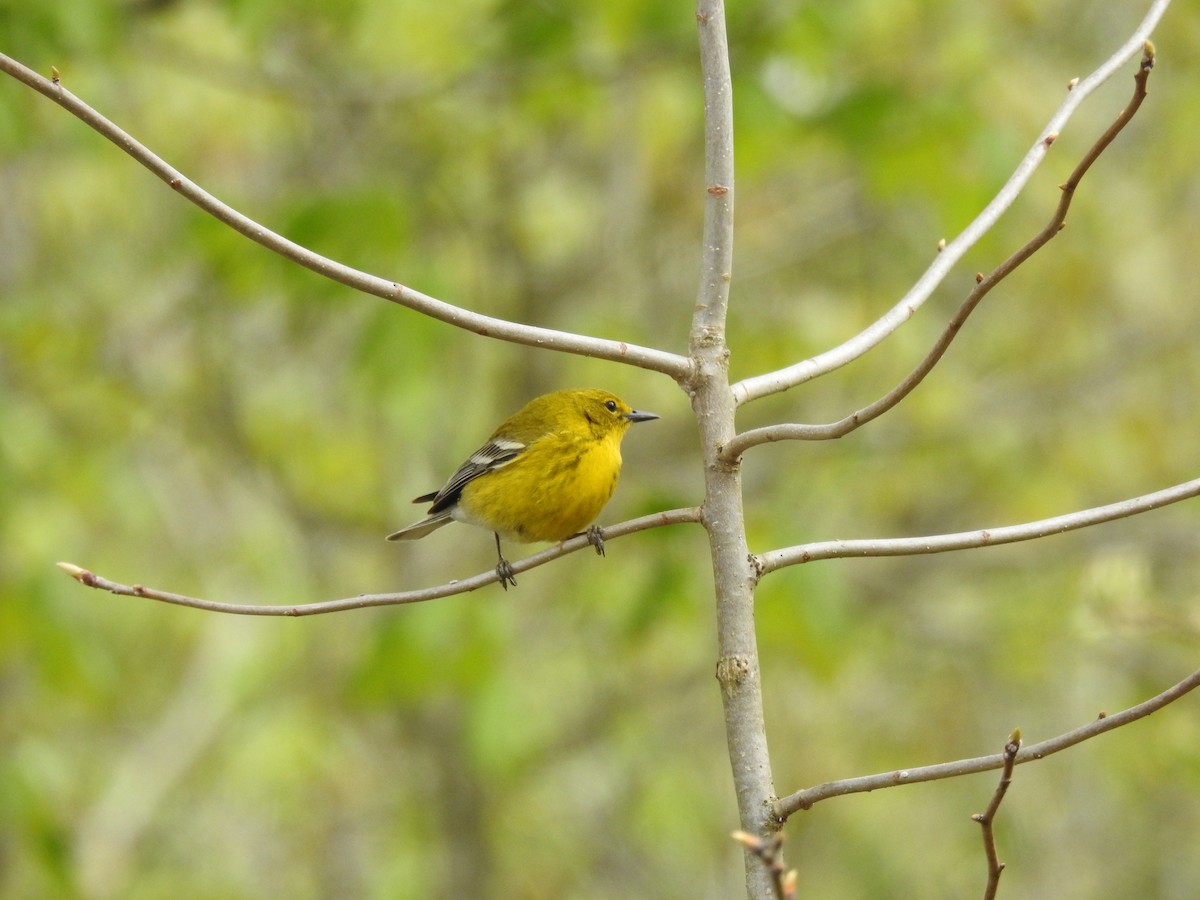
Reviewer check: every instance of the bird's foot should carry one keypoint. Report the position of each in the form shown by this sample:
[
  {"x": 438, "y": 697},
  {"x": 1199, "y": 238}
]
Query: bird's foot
[
  {"x": 504, "y": 571},
  {"x": 595, "y": 536}
]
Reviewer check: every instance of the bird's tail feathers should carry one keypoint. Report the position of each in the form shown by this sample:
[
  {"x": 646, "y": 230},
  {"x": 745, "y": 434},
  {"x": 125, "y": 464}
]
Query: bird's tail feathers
[{"x": 422, "y": 528}]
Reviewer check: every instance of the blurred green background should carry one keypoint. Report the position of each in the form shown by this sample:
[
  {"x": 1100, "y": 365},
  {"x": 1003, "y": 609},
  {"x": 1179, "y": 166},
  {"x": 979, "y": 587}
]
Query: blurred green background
[{"x": 180, "y": 408}]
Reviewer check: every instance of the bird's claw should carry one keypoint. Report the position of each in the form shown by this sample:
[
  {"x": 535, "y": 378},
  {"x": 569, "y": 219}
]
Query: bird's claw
[
  {"x": 504, "y": 571},
  {"x": 595, "y": 536}
]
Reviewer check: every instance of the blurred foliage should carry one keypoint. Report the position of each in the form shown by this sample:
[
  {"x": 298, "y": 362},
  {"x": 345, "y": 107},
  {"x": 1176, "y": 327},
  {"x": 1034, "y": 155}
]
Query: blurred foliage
[{"x": 179, "y": 408}]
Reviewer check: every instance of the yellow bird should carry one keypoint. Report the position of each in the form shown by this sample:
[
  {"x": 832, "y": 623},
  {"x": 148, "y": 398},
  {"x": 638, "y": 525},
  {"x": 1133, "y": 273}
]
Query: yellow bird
[{"x": 543, "y": 475}]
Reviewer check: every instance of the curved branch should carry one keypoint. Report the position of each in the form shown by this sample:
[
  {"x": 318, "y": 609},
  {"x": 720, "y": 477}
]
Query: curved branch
[
  {"x": 362, "y": 601},
  {"x": 675, "y": 365},
  {"x": 773, "y": 382},
  {"x": 984, "y": 285},
  {"x": 807, "y": 798},
  {"x": 966, "y": 540}
]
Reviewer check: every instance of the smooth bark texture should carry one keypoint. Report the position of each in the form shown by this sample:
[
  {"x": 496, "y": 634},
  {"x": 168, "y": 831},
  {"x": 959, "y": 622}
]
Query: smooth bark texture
[{"x": 737, "y": 648}]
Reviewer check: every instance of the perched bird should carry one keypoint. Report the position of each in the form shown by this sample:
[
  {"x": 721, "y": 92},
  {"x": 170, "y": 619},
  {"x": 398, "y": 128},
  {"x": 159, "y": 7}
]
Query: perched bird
[{"x": 543, "y": 475}]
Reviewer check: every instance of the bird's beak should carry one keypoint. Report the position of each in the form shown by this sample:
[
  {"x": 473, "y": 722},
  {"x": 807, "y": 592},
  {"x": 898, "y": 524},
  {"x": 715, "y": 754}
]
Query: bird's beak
[{"x": 637, "y": 416}]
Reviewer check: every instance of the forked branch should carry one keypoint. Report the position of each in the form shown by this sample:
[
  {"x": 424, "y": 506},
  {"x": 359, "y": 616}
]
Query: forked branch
[
  {"x": 782, "y": 380},
  {"x": 987, "y": 818},
  {"x": 984, "y": 285}
]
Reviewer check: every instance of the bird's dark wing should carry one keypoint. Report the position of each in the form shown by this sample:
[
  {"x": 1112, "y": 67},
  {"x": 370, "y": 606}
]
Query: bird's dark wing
[{"x": 495, "y": 453}]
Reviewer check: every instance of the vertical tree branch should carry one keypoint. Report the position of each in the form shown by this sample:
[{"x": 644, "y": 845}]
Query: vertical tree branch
[{"x": 722, "y": 513}]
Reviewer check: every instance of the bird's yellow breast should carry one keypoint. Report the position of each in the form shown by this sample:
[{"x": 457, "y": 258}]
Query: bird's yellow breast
[{"x": 553, "y": 490}]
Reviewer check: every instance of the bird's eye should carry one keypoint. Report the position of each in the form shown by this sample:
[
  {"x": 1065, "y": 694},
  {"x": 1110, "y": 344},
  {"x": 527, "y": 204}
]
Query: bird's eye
[{"x": 610, "y": 405}]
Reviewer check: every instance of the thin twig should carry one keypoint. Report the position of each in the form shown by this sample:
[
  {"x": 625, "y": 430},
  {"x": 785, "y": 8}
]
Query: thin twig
[
  {"x": 675, "y": 365},
  {"x": 362, "y": 601},
  {"x": 984, "y": 285},
  {"x": 770, "y": 851},
  {"x": 807, "y": 798},
  {"x": 966, "y": 540},
  {"x": 987, "y": 818},
  {"x": 774, "y": 382}
]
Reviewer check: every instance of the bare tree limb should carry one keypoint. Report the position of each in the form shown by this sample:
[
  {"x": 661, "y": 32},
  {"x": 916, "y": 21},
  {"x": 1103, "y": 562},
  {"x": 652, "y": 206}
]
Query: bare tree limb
[
  {"x": 677, "y": 366},
  {"x": 704, "y": 373},
  {"x": 362, "y": 601},
  {"x": 773, "y": 382},
  {"x": 984, "y": 285},
  {"x": 809, "y": 797},
  {"x": 987, "y": 818},
  {"x": 965, "y": 540}
]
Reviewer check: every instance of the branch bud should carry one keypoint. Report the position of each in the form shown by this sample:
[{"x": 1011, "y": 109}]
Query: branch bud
[
  {"x": 73, "y": 570},
  {"x": 83, "y": 576}
]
